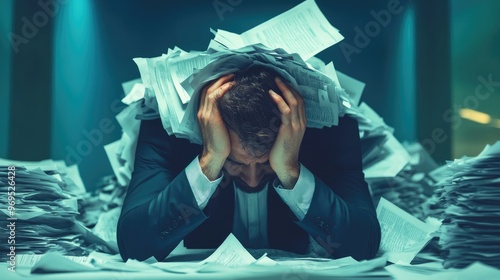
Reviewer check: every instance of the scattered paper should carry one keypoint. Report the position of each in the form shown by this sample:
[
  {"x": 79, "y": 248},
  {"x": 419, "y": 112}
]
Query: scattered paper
[
  {"x": 302, "y": 29},
  {"x": 395, "y": 158},
  {"x": 56, "y": 262},
  {"x": 136, "y": 93},
  {"x": 231, "y": 253},
  {"x": 106, "y": 226},
  {"x": 476, "y": 270},
  {"x": 353, "y": 87},
  {"x": 403, "y": 235}
]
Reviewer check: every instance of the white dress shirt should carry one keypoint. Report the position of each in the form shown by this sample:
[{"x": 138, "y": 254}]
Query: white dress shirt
[{"x": 250, "y": 213}]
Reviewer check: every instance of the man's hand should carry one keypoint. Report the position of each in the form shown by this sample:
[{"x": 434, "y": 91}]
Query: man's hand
[
  {"x": 284, "y": 155},
  {"x": 216, "y": 144}
]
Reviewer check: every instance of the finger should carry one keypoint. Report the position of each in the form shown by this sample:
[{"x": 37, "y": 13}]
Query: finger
[
  {"x": 204, "y": 93},
  {"x": 290, "y": 99},
  {"x": 282, "y": 107},
  {"x": 301, "y": 111},
  {"x": 219, "y": 82},
  {"x": 285, "y": 90},
  {"x": 202, "y": 100},
  {"x": 218, "y": 93},
  {"x": 301, "y": 106},
  {"x": 296, "y": 94},
  {"x": 303, "y": 116}
]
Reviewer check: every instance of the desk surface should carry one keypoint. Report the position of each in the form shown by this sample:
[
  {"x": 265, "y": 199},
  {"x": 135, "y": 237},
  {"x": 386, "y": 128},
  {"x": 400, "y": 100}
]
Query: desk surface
[{"x": 426, "y": 270}]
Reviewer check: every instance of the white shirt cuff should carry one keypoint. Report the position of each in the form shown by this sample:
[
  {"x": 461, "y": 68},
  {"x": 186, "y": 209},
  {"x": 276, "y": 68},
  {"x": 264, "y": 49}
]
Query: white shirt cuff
[
  {"x": 201, "y": 186},
  {"x": 299, "y": 198}
]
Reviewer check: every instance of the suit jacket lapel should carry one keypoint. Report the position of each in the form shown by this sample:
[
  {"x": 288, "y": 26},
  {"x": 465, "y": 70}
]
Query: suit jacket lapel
[{"x": 220, "y": 211}]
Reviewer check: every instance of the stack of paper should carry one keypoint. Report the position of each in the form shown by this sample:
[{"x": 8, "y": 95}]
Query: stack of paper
[
  {"x": 411, "y": 187},
  {"x": 470, "y": 198},
  {"x": 40, "y": 207}
]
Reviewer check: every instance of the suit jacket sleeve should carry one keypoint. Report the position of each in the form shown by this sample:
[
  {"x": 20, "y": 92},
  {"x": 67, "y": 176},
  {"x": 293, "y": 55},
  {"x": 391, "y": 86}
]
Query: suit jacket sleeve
[
  {"x": 159, "y": 208},
  {"x": 341, "y": 216}
]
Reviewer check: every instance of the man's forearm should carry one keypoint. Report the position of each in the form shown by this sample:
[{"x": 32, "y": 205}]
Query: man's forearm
[
  {"x": 299, "y": 197},
  {"x": 211, "y": 165},
  {"x": 202, "y": 186},
  {"x": 288, "y": 178}
]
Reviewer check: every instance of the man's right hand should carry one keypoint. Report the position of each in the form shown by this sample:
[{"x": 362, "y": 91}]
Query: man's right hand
[{"x": 216, "y": 143}]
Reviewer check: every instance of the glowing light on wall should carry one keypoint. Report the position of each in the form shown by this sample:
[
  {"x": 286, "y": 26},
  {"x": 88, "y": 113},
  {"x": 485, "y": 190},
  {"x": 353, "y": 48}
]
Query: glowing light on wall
[
  {"x": 76, "y": 58},
  {"x": 404, "y": 73},
  {"x": 479, "y": 117}
]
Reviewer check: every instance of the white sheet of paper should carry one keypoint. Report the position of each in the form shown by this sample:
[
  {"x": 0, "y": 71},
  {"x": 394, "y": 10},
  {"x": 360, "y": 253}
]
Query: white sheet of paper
[
  {"x": 403, "y": 235},
  {"x": 112, "y": 153},
  {"x": 231, "y": 253},
  {"x": 73, "y": 173},
  {"x": 55, "y": 262},
  {"x": 136, "y": 93},
  {"x": 353, "y": 87},
  {"x": 183, "y": 67},
  {"x": 303, "y": 30},
  {"x": 392, "y": 163}
]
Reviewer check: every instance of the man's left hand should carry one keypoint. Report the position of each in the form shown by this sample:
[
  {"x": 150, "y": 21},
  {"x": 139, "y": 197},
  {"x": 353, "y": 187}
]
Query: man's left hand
[{"x": 284, "y": 155}]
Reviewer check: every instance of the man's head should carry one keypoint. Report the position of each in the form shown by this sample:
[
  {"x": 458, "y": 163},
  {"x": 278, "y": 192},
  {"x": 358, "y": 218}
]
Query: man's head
[{"x": 253, "y": 121}]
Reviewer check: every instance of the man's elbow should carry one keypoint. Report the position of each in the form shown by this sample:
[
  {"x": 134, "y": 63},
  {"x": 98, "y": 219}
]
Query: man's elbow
[
  {"x": 131, "y": 238},
  {"x": 375, "y": 238},
  {"x": 366, "y": 240},
  {"x": 372, "y": 236}
]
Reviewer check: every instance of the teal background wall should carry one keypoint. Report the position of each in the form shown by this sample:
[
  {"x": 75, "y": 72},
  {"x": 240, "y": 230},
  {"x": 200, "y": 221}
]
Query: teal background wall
[{"x": 5, "y": 73}]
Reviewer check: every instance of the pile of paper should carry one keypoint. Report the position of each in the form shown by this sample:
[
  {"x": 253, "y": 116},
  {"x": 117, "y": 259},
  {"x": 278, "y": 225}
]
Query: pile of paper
[
  {"x": 469, "y": 203},
  {"x": 40, "y": 205},
  {"x": 172, "y": 82},
  {"x": 107, "y": 196},
  {"x": 412, "y": 186},
  {"x": 170, "y": 85},
  {"x": 121, "y": 153},
  {"x": 383, "y": 155}
]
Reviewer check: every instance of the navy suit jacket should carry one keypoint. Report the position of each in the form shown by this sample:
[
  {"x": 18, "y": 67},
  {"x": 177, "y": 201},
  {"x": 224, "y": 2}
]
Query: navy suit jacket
[{"x": 160, "y": 209}]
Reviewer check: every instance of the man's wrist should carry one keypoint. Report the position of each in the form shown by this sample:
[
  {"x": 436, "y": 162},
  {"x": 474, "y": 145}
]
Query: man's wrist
[
  {"x": 211, "y": 165},
  {"x": 289, "y": 177}
]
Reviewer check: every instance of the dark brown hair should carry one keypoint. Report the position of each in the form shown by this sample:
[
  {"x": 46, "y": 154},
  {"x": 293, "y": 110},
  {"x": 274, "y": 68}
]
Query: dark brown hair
[{"x": 248, "y": 110}]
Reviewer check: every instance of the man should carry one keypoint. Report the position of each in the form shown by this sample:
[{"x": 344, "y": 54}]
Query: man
[{"x": 260, "y": 174}]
